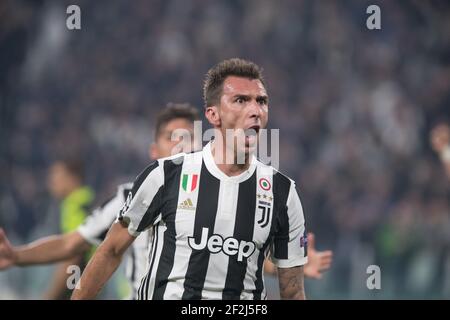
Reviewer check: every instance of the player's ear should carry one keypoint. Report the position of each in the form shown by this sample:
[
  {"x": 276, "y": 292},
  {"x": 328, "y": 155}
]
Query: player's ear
[
  {"x": 212, "y": 114},
  {"x": 153, "y": 151}
]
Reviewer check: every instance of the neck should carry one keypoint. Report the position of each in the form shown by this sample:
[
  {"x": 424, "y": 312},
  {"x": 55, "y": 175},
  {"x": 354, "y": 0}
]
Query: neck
[{"x": 226, "y": 159}]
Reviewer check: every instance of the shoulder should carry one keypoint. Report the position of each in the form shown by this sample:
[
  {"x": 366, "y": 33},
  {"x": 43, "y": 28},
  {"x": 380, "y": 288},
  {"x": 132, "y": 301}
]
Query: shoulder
[
  {"x": 159, "y": 169},
  {"x": 176, "y": 161},
  {"x": 278, "y": 178}
]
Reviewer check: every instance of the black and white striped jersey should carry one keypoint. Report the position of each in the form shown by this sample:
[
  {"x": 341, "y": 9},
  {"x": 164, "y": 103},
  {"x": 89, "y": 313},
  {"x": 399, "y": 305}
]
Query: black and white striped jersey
[
  {"x": 96, "y": 226},
  {"x": 212, "y": 232}
]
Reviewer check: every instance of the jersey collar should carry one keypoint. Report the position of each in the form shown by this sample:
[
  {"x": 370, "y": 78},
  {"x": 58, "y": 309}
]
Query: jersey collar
[{"x": 216, "y": 172}]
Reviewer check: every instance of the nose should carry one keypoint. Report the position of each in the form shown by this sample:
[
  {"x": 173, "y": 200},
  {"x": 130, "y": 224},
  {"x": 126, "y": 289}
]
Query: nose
[{"x": 255, "y": 110}]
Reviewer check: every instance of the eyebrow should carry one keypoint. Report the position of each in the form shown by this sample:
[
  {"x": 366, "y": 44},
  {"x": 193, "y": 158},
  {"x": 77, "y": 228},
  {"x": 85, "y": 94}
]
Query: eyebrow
[
  {"x": 242, "y": 96},
  {"x": 247, "y": 97}
]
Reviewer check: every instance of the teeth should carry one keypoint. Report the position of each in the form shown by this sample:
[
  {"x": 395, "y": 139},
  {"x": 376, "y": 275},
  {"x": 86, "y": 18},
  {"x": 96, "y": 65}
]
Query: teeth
[{"x": 251, "y": 132}]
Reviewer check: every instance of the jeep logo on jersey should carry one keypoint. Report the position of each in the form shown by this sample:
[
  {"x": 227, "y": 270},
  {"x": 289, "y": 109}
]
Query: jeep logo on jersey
[
  {"x": 230, "y": 246},
  {"x": 189, "y": 182}
]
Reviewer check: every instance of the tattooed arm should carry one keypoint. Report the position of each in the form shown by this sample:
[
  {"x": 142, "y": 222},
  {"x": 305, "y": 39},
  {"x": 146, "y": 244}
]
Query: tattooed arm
[{"x": 291, "y": 283}]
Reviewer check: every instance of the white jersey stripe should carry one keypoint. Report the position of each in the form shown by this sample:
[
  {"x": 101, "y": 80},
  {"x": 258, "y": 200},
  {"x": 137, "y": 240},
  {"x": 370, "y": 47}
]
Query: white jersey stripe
[{"x": 184, "y": 223}]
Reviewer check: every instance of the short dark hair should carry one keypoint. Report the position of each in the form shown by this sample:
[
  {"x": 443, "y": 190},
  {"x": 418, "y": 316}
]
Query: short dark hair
[
  {"x": 74, "y": 165},
  {"x": 215, "y": 77},
  {"x": 175, "y": 111}
]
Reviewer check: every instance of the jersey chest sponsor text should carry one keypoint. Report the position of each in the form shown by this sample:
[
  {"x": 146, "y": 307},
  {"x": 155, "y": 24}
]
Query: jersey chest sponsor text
[{"x": 230, "y": 246}]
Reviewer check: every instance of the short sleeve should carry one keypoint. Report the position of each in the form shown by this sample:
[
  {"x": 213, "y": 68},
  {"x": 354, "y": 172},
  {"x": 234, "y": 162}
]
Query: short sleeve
[
  {"x": 289, "y": 247},
  {"x": 143, "y": 202}
]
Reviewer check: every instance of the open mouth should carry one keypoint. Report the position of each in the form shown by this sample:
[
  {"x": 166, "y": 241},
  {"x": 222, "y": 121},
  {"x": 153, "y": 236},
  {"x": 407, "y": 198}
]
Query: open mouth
[
  {"x": 251, "y": 135},
  {"x": 252, "y": 131}
]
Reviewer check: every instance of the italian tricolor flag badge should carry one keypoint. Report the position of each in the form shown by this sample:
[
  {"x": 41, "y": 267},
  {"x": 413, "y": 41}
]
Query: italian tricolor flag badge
[{"x": 189, "y": 182}]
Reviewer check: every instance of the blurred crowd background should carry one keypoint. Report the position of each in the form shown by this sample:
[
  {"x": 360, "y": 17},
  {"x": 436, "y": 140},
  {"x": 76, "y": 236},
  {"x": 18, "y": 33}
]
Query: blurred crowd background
[{"x": 355, "y": 107}]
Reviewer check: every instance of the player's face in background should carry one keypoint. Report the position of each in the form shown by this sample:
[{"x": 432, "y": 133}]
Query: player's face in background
[
  {"x": 59, "y": 180},
  {"x": 243, "y": 106},
  {"x": 165, "y": 146}
]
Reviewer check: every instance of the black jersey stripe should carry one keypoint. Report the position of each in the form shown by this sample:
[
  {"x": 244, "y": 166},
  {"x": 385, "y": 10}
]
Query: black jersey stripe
[
  {"x": 259, "y": 283},
  {"x": 125, "y": 192},
  {"x": 172, "y": 172},
  {"x": 152, "y": 211},
  {"x": 139, "y": 292},
  {"x": 243, "y": 231},
  {"x": 205, "y": 217},
  {"x": 281, "y": 186}
]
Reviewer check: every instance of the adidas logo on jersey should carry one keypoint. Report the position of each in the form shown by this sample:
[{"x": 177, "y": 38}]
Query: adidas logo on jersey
[
  {"x": 186, "y": 205},
  {"x": 230, "y": 246}
]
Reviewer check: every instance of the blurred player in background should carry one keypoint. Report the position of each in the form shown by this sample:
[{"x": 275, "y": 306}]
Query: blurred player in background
[
  {"x": 66, "y": 183},
  {"x": 77, "y": 241},
  {"x": 440, "y": 142}
]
